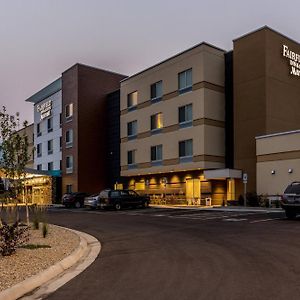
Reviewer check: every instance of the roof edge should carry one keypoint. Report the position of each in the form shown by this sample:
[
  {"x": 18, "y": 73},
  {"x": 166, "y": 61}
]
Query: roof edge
[{"x": 174, "y": 56}]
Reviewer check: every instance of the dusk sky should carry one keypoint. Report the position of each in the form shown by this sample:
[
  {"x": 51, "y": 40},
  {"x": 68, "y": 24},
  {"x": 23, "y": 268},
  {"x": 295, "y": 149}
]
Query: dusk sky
[{"x": 42, "y": 38}]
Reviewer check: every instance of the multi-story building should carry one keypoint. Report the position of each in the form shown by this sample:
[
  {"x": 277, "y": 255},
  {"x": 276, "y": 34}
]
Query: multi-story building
[
  {"x": 70, "y": 125},
  {"x": 173, "y": 127}
]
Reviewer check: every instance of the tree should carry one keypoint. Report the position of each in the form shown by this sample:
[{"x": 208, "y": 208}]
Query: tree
[{"x": 14, "y": 155}]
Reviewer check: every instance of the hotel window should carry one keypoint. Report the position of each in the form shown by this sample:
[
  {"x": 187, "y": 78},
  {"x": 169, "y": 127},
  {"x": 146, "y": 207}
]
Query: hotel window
[
  {"x": 132, "y": 129},
  {"x": 39, "y": 150},
  {"x": 132, "y": 100},
  {"x": 185, "y": 115},
  {"x": 69, "y": 164},
  {"x": 156, "y": 122},
  {"x": 69, "y": 188},
  {"x": 50, "y": 124},
  {"x": 60, "y": 164},
  {"x": 50, "y": 147},
  {"x": 131, "y": 157},
  {"x": 38, "y": 129},
  {"x": 60, "y": 119},
  {"x": 186, "y": 148},
  {"x": 39, "y": 167},
  {"x": 50, "y": 166},
  {"x": 156, "y": 153},
  {"x": 69, "y": 111},
  {"x": 185, "y": 81},
  {"x": 60, "y": 143},
  {"x": 69, "y": 138},
  {"x": 156, "y": 91}
]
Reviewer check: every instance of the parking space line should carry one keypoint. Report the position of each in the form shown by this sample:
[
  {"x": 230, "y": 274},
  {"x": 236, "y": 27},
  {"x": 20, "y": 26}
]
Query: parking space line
[{"x": 265, "y": 220}]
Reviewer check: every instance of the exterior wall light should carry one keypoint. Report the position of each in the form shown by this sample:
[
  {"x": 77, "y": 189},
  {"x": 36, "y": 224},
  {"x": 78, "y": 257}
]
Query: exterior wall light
[
  {"x": 273, "y": 172},
  {"x": 290, "y": 171}
]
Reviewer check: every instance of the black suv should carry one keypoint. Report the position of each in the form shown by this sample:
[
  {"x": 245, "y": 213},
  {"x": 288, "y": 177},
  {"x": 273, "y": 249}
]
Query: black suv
[
  {"x": 74, "y": 199},
  {"x": 122, "y": 198},
  {"x": 291, "y": 200}
]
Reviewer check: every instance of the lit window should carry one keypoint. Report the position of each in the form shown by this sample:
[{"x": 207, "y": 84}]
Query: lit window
[
  {"x": 156, "y": 91},
  {"x": 186, "y": 148},
  {"x": 50, "y": 147},
  {"x": 185, "y": 114},
  {"x": 131, "y": 157},
  {"x": 157, "y": 121},
  {"x": 156, "y": 153},
  {"x": 69, "y": 164},
  {"x": 69, "y": 138},
  {"x": 69, "y": 111},
  {"x": 185, "y": 81},
  {"x": 39, "y": 150},
  {"x": 50, "y": 166},
  {"x": 132, "y": 99},
  {"x": 50, "y": 124}
]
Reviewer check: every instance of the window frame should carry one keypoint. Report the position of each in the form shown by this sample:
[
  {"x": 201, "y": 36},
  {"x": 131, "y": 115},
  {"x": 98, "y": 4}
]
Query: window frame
[
  {"x": 133, "y": 135},
  {"x": 134, "y": 105},
  {"x": 187, "y": 87},
  {"x": 153, "y": 86},
  {"x": 155, "y": 148},
  {"x": 69, "y": 133},
  {"x": 50, "y": 150},
  {"x": 39, "y": 150},
  {"x": 186, "y": 122},
  {"x": 50, "y": 122},
  {"x": 185, "y": 149},
  {"x": 156, "y": 129},
  {"x": 69, "y": 111},
  {"x": 133, "y": 157},
  {"x": 69, "y": 169}
]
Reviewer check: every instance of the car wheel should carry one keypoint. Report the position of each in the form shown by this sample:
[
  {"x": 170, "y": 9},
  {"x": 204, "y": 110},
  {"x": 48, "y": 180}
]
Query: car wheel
[
  {"x": 290, "y": 214},
  {"x": 145, "y": 204},
  {"x": 118, "y": 206},
  {"x": 77, "y": 204}
]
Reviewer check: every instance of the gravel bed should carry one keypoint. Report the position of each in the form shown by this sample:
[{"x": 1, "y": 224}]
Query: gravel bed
[{"x": 25, "y": 262}]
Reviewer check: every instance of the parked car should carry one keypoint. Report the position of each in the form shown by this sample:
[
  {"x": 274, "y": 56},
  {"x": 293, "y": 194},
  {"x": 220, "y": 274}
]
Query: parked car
[
  {"x": 74, "y": 199},
  {"x": 291, "y": 200},
  {"x": 92, "y": 201},
  {"x": 118, "y": 199}
]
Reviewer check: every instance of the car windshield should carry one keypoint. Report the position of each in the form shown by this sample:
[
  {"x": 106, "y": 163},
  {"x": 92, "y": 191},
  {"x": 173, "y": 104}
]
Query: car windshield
[{"x": 293, "y": 189}]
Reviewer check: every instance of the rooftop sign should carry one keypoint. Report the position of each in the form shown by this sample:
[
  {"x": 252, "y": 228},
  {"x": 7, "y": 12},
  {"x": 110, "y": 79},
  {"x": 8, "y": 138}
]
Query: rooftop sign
[
  {"x": 45, "y": 109},
  {"x": 294, "y": 60}
]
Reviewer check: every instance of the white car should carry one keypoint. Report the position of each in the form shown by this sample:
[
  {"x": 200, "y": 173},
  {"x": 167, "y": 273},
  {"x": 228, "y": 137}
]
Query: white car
[{"x": 92, "y": 201}]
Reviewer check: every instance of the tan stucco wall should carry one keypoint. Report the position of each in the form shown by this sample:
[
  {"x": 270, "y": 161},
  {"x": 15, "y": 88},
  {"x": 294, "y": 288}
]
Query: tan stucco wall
[
  {"x": 208, "y": 103},
  {"x": 277, "y": 153}
]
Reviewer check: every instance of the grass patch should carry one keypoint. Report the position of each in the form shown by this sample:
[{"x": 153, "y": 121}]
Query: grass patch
[{"x": 34, "y": 246}]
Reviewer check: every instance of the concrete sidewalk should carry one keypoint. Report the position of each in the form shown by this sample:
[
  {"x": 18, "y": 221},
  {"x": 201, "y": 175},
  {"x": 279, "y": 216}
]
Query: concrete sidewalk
[{"x": 221, "y": 208}]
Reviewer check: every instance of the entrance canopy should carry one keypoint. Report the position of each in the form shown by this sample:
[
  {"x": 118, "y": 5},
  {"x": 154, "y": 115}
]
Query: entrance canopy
[{"x": 222, "y": 174}]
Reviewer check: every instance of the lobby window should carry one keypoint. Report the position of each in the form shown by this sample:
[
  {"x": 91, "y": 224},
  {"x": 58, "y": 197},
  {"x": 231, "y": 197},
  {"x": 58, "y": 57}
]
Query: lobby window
[
  {"x": 156, "y": 91},
  {"x": 131, "y": 157},
  {"x": 50, "y": 147},
  {"x": 39, "y": 150},
  {"x": 69, "y": 138},
  {"x": 132, "y": 100},
  {"x": 50, "y": 124},
  {"x": 69, "y": 111},
  {"x": 132, "y": 129},
  {"x": 69, "y": 188},
  {"x": 186, "y": 148},
  {"x": 39, "y": 167},
  {"x": 38, "y": 129},
  {"x": 185, "y": 115},
  {"x": 185, "y": 81},
  {"x": 69, "y": 164},
  {"x": 156, "y": 122},
  {"x": 156, "y": 153},
  {"x": 50, "y": 166}
]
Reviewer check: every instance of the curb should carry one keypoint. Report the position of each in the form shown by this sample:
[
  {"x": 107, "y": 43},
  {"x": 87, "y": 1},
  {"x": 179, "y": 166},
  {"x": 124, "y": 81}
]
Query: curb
[{"x": 88, "y": 250}]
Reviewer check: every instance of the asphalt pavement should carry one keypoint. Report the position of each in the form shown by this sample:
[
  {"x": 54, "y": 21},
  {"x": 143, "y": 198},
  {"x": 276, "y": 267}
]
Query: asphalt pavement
[{"x": 161, "y": 253}]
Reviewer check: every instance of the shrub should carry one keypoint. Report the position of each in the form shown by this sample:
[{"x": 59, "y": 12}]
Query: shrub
[
  {"x": 252, "y": 199},
  {"x": 34, "y": 246},
  {"x": 45, "y": 230},
  {"x": 11, "y": 237}
]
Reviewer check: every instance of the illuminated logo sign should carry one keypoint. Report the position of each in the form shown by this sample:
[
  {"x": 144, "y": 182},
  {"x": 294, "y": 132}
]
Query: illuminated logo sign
[
  {"x": 294, "y": 59},
  {"x": 45, "y": 109}
]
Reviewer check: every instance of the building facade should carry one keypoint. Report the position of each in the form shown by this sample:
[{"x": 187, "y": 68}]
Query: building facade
[{"x": 173, "y": 127}]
